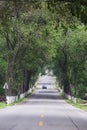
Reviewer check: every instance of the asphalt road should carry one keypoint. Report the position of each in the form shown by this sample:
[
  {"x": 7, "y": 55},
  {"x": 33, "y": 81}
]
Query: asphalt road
[{"x": 44, "y": 110}]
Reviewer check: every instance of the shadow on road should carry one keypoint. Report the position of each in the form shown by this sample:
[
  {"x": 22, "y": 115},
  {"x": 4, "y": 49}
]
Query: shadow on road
[{"x": 41, "y": 96}]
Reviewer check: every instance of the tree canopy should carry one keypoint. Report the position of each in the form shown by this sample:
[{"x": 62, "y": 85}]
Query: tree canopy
[{"x": 34, "y": 34}]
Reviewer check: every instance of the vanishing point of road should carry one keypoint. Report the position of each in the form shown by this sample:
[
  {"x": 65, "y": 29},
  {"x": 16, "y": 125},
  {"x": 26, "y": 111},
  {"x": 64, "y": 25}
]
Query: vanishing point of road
[{"x": 44, "y": 110}]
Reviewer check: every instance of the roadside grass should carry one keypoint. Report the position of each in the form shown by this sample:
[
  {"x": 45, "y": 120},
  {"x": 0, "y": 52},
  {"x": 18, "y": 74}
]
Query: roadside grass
[
  {"x": 4, "y": 105},
  {"x": 82, "y": 104},
  {"x": 21, "y": 100},
  {"x": 56, "y": 85}
]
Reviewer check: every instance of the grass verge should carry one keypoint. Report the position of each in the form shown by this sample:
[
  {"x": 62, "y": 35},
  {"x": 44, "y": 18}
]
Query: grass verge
[
  {"x": 80, "y": 104},
  {"x": 21, "y": 100},
  {"x": 3, "y": 104}
]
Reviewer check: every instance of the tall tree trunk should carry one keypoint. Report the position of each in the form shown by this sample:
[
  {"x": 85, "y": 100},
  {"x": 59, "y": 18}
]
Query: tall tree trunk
[
  {"x": 75, "y": 82},
  {"x": 10, "y": 79},
  {"x": 65, "y": 74},
  {"x": 66, "y": 85},
  {"x": 12, "y": 68},
  {"x": 26, "y": 79}
]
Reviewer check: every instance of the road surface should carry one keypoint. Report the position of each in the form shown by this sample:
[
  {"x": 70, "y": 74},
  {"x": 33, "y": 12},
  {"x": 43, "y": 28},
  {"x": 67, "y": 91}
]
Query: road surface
[{"x": 44, "y": 110}]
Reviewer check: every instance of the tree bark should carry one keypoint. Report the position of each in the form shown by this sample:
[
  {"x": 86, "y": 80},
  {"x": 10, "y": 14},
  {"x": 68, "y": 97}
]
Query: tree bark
[
  {"x": 75, "y": 83},
  {"x": 26, "y": 79}
]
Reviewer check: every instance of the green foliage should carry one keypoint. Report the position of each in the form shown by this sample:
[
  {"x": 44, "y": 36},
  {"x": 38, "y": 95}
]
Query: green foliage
[
  {"x": 3, "y": 65},
  {"x": 71, "y": 59},
  {"x": 35, "y": 34},
  {"x": 28, "y": 39},
  {"x": 3, "y": 104},
  {"x": 82, "y": 89},
  {"x": 78, "y": 104},
  {"x": 2, "y": 91}
]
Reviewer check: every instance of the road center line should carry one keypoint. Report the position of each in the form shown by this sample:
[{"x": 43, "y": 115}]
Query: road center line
[
  {"x": 40, "y": 123},
  {"x": 44, "y": 109},
  {"x": 42, "y": 115}
]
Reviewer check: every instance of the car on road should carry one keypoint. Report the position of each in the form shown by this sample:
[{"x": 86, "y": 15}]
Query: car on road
[{"x": 44, "y": 87}]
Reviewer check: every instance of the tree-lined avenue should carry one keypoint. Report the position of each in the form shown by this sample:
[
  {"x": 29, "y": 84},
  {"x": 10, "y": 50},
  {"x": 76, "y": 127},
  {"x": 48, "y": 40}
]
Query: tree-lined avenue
[{"x": 44, "y": 110}]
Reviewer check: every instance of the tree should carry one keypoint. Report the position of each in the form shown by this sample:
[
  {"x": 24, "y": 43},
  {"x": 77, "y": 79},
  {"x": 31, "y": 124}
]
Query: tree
[
  {"x": 27, "y": 41},
  {"x": 71, "y": 58}
]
